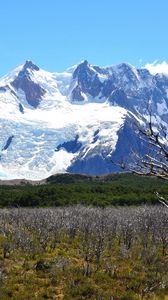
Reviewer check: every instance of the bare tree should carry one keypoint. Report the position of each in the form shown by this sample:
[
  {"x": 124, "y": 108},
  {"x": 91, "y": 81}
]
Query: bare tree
[
  {"x": 154, "y": 135},
  {"x": 152, "y": 160},
  {"x": 162, "y": 200}
]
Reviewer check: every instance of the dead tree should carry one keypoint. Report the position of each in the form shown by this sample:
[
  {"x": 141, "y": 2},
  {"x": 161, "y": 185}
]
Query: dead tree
[{"x": 153, "y": 137}]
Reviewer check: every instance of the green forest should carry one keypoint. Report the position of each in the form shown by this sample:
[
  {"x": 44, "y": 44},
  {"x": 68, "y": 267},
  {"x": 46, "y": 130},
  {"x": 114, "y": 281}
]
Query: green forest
[{"x": 68, "y": 189}]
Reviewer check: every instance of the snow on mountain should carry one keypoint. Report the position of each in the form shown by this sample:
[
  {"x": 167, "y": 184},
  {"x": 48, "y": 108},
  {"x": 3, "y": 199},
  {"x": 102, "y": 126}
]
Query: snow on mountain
[{"x": 76, "y": 121}]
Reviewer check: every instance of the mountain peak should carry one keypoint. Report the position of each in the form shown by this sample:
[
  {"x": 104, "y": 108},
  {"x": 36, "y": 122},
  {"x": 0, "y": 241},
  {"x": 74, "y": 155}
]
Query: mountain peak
[
  {"x": 26, "y": 69},
  {"x": 30, "y": 65},
  {"x": 84, "y": 62},
  {"x": 125, "y": 66},
  {"x": 33, "y": 91},
  {"x": 82, "y": 68},
  {"x": 85, "y": 118}
]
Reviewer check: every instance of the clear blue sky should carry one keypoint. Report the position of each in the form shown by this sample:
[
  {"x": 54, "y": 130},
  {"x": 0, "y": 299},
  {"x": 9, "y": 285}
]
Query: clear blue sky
[{"x": 56, "y": 34}]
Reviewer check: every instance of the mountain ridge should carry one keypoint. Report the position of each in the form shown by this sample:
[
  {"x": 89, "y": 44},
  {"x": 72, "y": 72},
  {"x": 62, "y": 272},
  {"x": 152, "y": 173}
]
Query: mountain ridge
[{"x": 76, "y": 121}]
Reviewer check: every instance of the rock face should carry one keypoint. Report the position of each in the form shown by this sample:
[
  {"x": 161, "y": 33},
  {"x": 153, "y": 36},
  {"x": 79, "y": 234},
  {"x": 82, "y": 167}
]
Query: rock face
[
  {"x": 32, "y": 90},
  {"x": 80, "y": 121},
  {"x": 118, "y": 97},
  {"x": 71, "y": 146},
  {"x": 21, "y": 109},
  {"x": 77, "y": 94},
  {"x": 87, "y": 81}
]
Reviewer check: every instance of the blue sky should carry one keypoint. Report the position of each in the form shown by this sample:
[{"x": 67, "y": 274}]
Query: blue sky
[{"x": 57, "y": 34}]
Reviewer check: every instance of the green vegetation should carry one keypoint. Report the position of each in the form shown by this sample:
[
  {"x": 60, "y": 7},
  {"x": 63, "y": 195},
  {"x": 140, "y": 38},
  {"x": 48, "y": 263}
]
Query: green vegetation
[{"x": 68, "y": 189}]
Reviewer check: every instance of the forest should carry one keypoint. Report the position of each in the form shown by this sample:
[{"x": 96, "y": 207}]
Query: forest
[{"x": 72, "y": 189}]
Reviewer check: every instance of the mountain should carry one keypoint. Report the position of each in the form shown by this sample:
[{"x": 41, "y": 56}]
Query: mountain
[{"x": 78, "y": 121}]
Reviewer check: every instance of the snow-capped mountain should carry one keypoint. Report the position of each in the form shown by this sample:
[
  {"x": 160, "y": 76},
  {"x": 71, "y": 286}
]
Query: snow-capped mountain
[{"x": 79, "y": 121}]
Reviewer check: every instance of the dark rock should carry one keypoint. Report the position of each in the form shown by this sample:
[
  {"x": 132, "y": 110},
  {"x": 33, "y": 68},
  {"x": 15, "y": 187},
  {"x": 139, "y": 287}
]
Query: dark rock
[
  {"x": 128, "y": 138},
  {"x": 81, "y": 69},
  {"x": 92, "y": 165},
  {"x": 87, "y": 79},
  {"x": 108, "y": 87},
  {"x": 71, "y": 146},
  {"x": 77, "y": 94},
  {"x": 33, "y": 91},
  {"x": 118, "y": 97},
  {"x": 29, "y": 65},
  {"x": 2, "y": 89},
  {"x": 96, "y": 132},
  {"x": 8, "y": 142},
  {"x": 95, "y": 136},
  {"x": 95, "y": 86},
  {"x": 21, "y": 108},
  {"x": 99, "y": 162}
]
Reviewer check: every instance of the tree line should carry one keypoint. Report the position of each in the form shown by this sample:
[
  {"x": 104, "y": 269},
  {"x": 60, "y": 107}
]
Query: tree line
[{"x": 69, "y": 189}]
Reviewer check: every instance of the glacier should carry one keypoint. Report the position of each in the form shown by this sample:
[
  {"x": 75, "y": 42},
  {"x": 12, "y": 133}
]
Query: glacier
[{"x": 80, "y": 120}]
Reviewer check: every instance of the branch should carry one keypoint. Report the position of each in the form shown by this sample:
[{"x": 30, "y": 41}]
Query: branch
[{"x": 162, "y": 200}]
